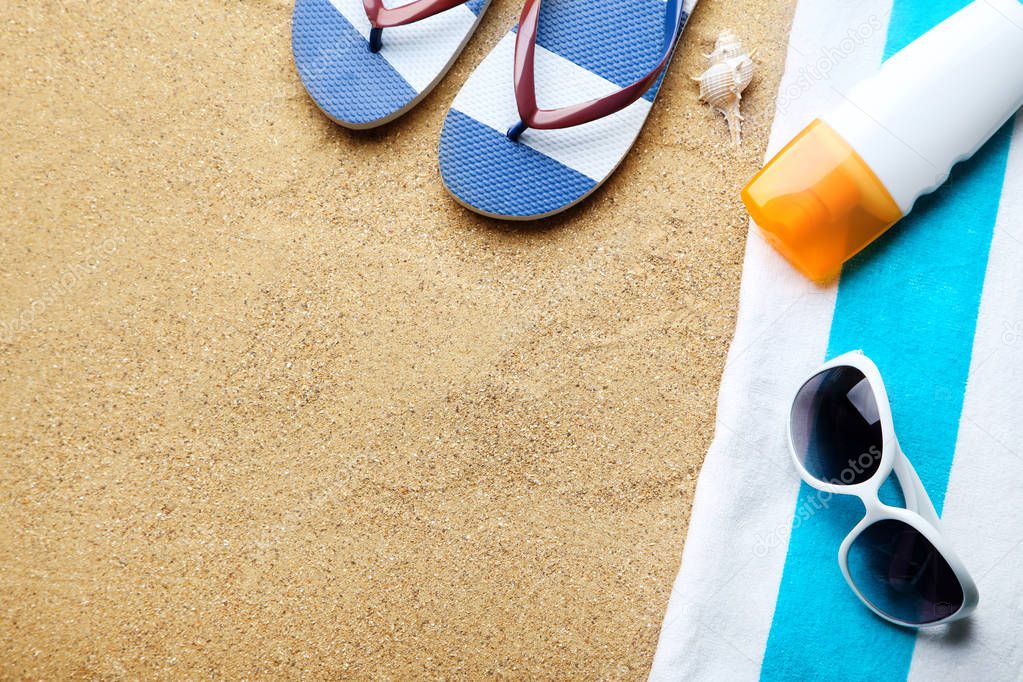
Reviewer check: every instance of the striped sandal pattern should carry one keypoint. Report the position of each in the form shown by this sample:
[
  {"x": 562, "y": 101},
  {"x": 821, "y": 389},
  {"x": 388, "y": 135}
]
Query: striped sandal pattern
[
  {"x": 365, "y": 64},
  {"x": 596, "y": 66}
]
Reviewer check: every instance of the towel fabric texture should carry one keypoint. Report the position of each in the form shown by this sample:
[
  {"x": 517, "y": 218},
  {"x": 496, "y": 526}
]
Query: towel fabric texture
[{"x": 937, "y": 303}]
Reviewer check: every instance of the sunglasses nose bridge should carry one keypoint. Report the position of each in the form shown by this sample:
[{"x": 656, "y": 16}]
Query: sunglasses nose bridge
[{"x": 869, "y": 497}]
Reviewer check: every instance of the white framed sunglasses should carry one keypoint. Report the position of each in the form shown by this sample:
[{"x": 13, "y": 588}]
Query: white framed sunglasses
[{"x": 897, "y": 560}]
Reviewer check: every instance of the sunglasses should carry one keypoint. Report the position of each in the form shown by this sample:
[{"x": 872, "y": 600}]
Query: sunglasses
[{"x": 843, "y": 442}]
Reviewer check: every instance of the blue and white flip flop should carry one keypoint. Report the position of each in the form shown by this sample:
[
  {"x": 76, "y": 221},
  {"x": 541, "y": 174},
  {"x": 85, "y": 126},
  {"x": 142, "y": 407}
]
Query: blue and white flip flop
[
  {"x": 362, "y": 75},
  {"x": 598, "y": 65}
]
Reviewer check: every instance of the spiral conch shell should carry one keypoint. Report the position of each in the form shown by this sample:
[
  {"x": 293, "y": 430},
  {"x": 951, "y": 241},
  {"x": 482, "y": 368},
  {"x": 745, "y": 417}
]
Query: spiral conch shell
[{"x": 721, "y": 85}]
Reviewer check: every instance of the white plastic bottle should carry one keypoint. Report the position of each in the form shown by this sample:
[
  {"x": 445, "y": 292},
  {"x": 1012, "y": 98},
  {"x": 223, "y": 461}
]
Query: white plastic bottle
[{"x": 857, "y": 170}]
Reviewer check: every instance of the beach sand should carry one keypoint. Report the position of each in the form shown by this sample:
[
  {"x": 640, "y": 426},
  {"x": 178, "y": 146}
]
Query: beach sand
[{"x": 272, "y": 403}]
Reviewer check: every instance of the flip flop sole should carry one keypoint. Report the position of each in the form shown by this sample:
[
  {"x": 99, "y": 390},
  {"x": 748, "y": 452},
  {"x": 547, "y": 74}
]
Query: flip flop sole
[
  {"x": 357, "y": 88},
  {"x": 585, "y": 50}
]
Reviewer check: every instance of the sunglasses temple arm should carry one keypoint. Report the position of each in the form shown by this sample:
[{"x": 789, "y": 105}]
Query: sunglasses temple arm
[{"x": 917, "y": 499}]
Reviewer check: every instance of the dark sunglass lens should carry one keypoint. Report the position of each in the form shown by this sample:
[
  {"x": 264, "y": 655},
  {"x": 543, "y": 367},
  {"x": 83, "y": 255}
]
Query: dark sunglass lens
[
  {"x": 836, "y": 428},
  {"x": 900, "y": 572}
]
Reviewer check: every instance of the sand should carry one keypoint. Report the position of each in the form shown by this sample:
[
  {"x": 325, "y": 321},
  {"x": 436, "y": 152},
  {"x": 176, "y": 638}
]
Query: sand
[{"x": 273, "y": 404}]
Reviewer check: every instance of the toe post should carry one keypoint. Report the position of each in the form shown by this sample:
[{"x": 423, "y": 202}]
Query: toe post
[
  {"x": 515, "y": 132},
  {"x": 376, "y": 39}
]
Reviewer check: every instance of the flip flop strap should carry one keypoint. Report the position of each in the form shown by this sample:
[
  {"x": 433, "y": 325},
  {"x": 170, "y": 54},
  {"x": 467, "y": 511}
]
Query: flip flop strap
[
  {"x": 385, "y": 17},
  {"x": 675, "y": 18}
]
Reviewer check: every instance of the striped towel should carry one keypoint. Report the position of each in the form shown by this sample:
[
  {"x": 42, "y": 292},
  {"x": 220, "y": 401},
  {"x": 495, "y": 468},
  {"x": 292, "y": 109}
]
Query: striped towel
[{"x": 937, "y": 303}]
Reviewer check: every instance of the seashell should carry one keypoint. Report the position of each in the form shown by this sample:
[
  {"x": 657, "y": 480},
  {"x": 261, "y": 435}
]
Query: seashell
[
  {"x": 726, "y": 46},
  {"x": 722, "y": 84}
]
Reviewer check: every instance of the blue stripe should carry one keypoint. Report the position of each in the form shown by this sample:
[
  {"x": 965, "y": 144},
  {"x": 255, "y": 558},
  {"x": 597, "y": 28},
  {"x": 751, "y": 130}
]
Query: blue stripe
[
  {"x": 483, "y": 168},
  {"x": 910, "y": 302},
  {"x": 345, "y": 79},
  {"x": 476, "y": 6},
  {"x": 617, "y": 40}
]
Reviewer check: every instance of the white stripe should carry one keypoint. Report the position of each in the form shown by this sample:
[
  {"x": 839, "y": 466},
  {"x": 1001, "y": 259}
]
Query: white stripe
[
  {"x": 983, "y": 511},
  {"x": 593, "y": 149},
  {"x": 722, "y": 604},
  {"x": 421, "y": 51}
]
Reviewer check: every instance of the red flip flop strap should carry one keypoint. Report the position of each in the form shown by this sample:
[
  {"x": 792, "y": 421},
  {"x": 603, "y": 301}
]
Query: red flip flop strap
[
  {"x": 384, "y": 17},
  {"x": 577, "y": 114}
]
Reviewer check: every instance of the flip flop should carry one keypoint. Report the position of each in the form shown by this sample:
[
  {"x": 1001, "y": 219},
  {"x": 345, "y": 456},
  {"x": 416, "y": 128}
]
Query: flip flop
[
  {"x": 363, "y": 76},
  {"x": 597, "y": 63}
]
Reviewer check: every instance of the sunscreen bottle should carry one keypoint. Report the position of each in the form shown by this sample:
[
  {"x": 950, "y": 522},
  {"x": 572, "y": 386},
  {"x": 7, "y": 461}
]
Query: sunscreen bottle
[{"x": 855, "y": 171}]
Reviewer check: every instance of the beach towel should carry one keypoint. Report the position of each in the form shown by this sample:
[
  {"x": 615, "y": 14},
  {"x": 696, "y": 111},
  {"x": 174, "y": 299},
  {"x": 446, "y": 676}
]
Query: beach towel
[{"x": 937, "y": 303}]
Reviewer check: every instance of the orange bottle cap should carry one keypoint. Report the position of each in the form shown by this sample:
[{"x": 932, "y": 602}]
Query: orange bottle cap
[{"x": 819, "y": 203}]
